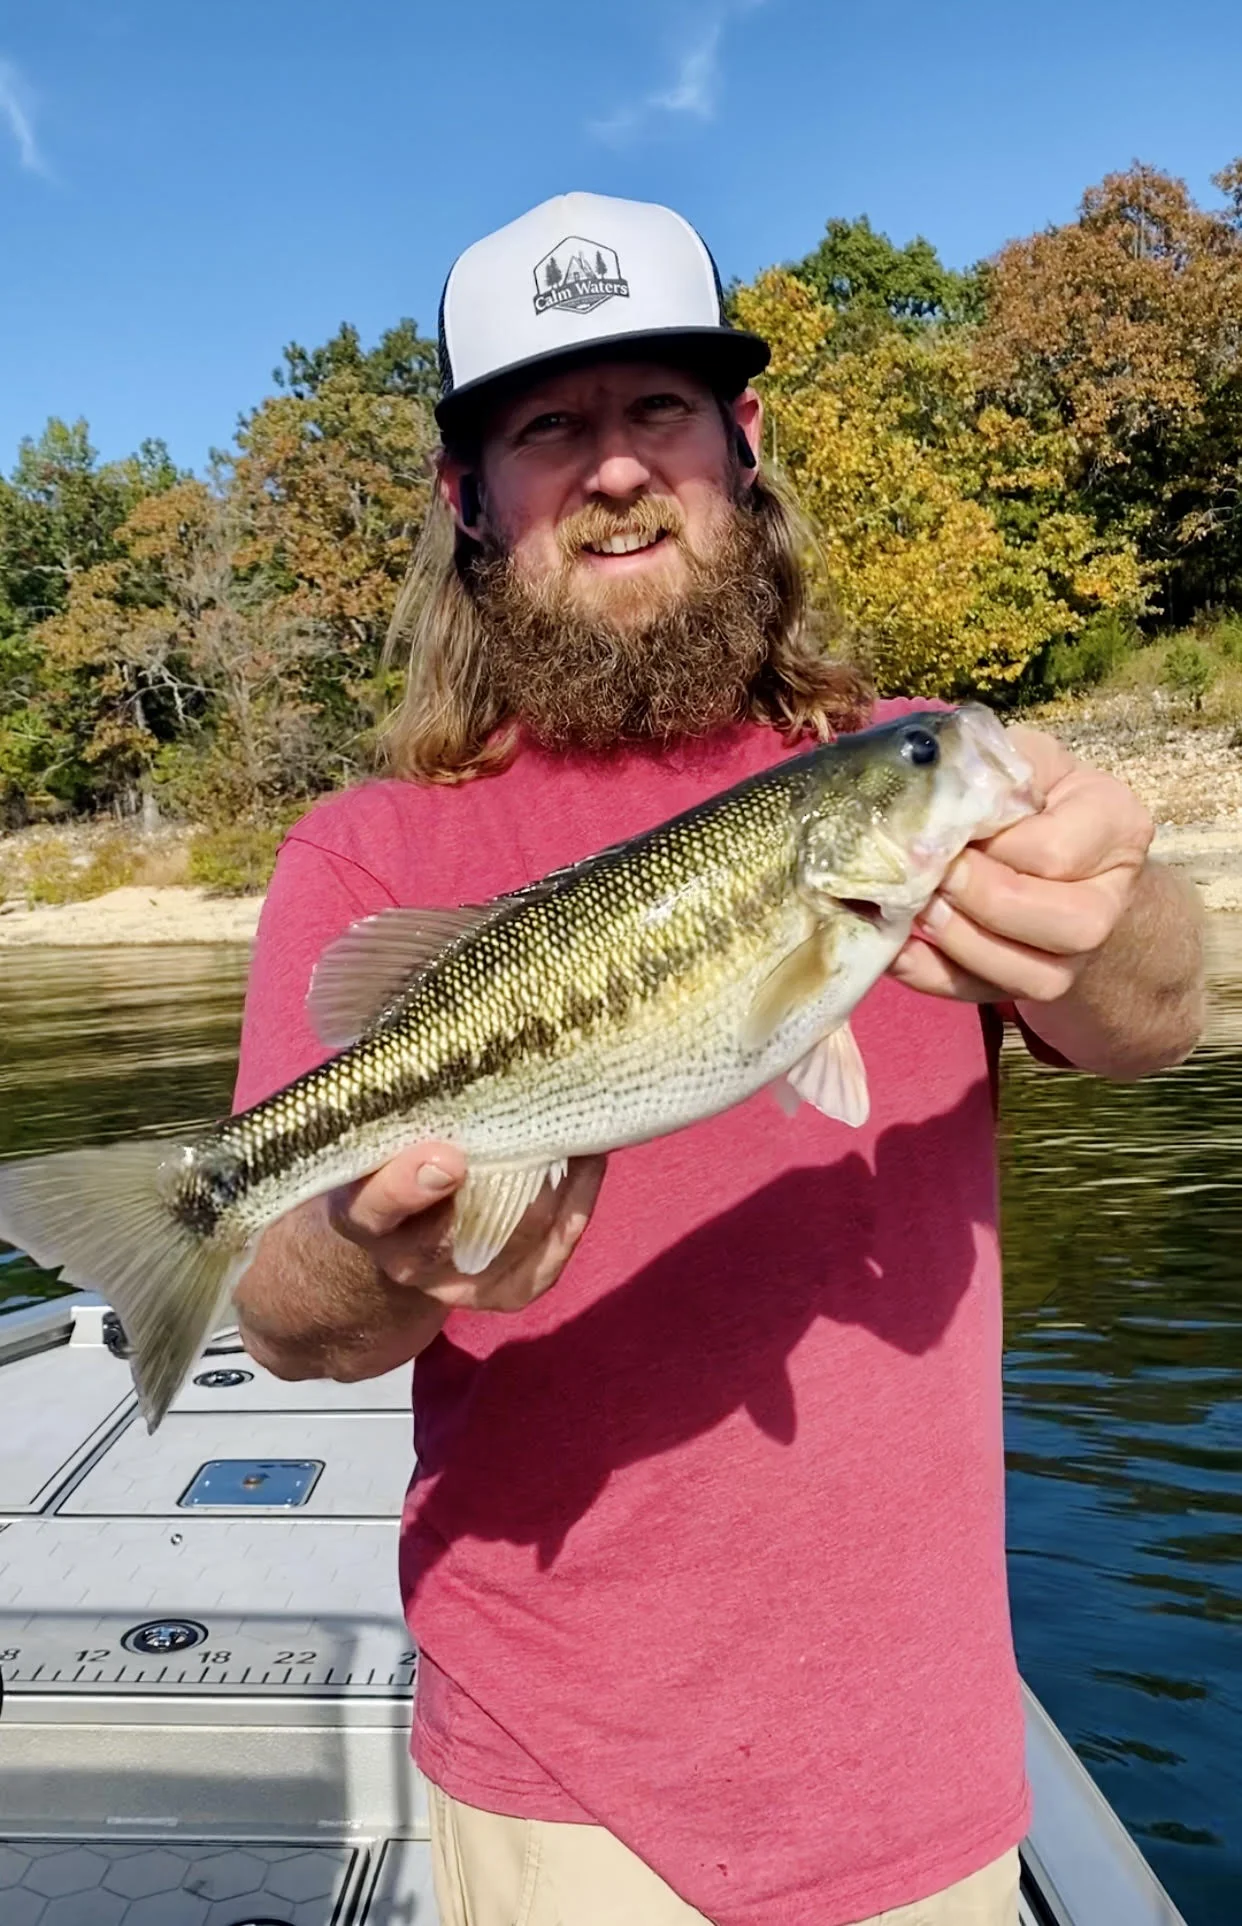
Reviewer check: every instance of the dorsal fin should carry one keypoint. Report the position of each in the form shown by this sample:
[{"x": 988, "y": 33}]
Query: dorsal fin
[{"x": 375, "y": 959}]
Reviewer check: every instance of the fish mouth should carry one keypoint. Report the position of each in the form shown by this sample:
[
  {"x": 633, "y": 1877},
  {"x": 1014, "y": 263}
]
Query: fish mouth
[
  {"x": 865, "y": 910},
  {"x": 989, "y": 757}
]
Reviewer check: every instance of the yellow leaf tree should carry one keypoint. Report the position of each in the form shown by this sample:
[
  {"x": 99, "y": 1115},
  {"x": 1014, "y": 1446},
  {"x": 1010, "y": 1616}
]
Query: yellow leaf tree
[{"x": 926, "y": 505}]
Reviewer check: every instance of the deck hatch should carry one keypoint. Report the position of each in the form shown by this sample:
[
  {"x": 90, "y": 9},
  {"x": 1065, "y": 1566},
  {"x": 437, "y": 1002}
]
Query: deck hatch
[{"x": 273, "y": 1483}]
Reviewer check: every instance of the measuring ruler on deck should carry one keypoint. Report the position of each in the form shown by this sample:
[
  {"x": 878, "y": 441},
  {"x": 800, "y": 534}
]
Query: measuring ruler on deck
[
  {"x": 183, "y": 1655},
  {"x": 169, "y": 1653}
]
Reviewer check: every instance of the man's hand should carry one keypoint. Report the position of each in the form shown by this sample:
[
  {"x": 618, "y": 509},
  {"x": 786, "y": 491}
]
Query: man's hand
[
  {"x": 1064, "y": 916},
  {"x": 1019, "y": 916},
  {"x": 359, "y": 1282},
  {"x": 387, "y": 1216}
]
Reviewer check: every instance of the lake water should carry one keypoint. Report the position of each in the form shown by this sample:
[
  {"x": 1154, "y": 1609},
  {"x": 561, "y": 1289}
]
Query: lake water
[{"x": 1123, "y": 1240}]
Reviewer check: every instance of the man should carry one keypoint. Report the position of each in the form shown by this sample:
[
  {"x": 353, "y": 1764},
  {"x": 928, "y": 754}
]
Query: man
[{"x": 705, "y": 1552}]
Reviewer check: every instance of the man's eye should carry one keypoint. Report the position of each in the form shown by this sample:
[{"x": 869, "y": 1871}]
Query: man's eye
[
  {"x": 554, "y": 422},
  {"x": 663, "y": 405}
]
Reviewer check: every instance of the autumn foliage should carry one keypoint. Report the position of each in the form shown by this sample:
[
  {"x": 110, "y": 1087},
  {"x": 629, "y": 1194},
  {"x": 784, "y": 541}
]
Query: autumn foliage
[{"x": 1006, "y": 470}]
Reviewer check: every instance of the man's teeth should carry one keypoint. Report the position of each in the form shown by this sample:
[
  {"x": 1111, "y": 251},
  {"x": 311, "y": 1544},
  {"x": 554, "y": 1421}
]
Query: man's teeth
[{"x": 623, "y": 544}]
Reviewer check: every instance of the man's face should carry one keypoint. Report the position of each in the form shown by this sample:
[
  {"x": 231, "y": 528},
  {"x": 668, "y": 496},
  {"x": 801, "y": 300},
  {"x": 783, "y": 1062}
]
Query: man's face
[
  {"x": 622, "y": 582},
  {"x": 597, "y": 481}
]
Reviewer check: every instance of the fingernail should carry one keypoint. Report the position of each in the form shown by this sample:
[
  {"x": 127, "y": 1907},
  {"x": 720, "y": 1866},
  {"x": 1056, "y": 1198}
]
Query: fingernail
[
  {"x": 936, "y": 915},
  {"x": 432, "y": 1178},
  {"x": 956, "y": 876}
]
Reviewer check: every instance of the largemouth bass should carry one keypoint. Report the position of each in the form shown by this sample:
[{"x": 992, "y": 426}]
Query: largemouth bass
[{"x": 653, "y": 984}]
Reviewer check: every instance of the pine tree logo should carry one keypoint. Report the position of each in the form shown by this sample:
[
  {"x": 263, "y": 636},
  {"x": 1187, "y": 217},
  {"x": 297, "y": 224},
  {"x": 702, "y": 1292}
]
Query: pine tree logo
[{"x": 577, "y": 277}]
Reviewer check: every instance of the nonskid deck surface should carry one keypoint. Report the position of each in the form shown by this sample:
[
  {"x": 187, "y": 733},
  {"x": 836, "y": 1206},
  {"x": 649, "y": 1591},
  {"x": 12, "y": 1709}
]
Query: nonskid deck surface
[
  {"x": 280, "y": 1578},
  {"x": 206, "y": 1708}
]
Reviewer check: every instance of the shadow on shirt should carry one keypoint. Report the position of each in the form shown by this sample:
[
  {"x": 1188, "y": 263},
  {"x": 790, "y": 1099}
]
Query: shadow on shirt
[{"x": 517, "y": 1445}]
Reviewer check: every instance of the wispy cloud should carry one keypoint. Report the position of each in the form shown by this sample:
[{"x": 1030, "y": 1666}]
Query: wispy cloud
[
  {"x": 17, "y": 114},
  {"x": 695, "y": 87}
]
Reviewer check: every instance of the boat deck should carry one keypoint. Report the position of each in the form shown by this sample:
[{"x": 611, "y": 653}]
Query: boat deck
[{"x": 207, "y": 1677}]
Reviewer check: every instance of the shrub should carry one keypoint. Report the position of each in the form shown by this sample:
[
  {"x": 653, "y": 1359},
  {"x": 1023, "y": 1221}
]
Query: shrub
[
  {"x": 55, "y": 874},
  {"x": 234, "y": 861},
  {"x": 1089, "y": 657},
  {"x": 1188, "y": 672},
  {"x": 1227, "y": 636}
]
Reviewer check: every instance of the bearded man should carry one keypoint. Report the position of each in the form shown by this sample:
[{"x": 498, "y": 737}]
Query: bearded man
[{"x": 704, "y": 1553}]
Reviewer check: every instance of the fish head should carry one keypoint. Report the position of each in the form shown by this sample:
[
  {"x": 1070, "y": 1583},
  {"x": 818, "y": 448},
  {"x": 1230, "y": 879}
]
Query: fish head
[{"x": 886, "y": 811}]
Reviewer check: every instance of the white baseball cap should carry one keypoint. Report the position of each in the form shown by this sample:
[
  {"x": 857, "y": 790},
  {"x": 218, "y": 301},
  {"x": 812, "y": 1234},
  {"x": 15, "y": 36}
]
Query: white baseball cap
[{"x": 577, "y": 277}]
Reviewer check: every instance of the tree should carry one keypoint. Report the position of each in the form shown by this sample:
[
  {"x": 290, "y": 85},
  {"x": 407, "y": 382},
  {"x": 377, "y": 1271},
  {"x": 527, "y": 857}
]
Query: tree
[
  {"x": 553, "y": 273},
  {"x": 861, "y": 274},
  {"x": 1124, "y": 330},
  {"x": 60, "y": 511},
  {"x": 942, "y": 528},
  {"x": 332, "y": 486},
  {"x": 402, "y": 362},
  {"x": 60, "y": 515}
]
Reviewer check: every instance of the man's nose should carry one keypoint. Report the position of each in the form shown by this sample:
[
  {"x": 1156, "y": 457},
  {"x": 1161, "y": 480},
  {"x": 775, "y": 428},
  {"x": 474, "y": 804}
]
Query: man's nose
[{"x": 619, "y": 471}]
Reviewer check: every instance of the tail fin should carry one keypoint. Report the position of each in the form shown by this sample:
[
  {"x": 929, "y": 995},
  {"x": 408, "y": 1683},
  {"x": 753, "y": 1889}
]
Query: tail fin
[{"x": 99, "y": 1217}]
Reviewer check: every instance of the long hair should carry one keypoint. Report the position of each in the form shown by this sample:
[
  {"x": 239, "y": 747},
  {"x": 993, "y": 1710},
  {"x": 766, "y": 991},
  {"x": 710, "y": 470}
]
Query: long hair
[{"x": 449, "y": 725}]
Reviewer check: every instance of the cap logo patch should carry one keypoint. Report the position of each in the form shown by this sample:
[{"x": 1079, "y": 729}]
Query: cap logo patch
[{"x": 578, "y": 276}]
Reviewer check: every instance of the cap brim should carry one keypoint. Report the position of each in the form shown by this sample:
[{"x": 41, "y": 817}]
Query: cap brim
[{"x": 726, "y": 357}]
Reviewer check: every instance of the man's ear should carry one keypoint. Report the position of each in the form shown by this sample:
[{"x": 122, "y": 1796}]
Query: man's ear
[
  {"x": 748, "y": 419},
  {"x": 459, "y": 489}
]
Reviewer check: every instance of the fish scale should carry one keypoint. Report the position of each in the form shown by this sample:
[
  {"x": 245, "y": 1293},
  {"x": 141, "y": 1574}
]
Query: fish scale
[
  {"x": 673, "y": 919},
  {"x": 653, "y": 984}
]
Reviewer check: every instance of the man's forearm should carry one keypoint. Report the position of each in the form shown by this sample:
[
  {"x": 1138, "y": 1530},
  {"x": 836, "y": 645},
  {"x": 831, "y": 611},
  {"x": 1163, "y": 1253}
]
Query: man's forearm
[
  {"x": 312, "y": 1305},
  {"x": 1138, "y": 1005}
]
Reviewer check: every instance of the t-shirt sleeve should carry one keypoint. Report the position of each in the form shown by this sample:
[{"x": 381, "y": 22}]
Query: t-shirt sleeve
[
  {"x": 314, "y": 895},
  {"x": 1036, "y": 1047}
]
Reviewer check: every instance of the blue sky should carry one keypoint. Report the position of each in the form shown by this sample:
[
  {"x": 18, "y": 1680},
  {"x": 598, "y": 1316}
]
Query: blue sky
[{"x": 186, "y": 187}]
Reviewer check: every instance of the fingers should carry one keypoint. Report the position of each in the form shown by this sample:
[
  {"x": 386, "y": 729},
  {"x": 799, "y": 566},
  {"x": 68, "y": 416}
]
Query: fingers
[
  {"x": 1050, "y": 760},
  {"x": 539, "y": 1249},
  {"x": 413, "y": 1181},
  {"x": 920, "y": 966},
  {"x": 405, "y": 1225},
  {"x": 1064, "y": 919},
  {"x": 1020, "y": 915},
  {"x": 1090, "y": 823},
  {"x": 1009, "y": 969}
]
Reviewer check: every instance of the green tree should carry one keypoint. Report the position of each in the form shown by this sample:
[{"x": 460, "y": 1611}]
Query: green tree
[
  {"x": 861, "y": 274},
  {"x": 402, "y": 362},
  {"x": 60, "y": 514}
]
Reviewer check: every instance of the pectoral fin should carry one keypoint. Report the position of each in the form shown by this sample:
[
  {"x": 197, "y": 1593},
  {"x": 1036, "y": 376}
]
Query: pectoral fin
[
  {"x": 832, "y": 1077},
  {"x": 801, "y": 978},
  {"x": 488, "y": 1208}
]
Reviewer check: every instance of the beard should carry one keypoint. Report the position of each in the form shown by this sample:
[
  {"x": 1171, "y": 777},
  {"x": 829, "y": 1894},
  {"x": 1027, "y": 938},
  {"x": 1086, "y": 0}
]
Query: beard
[{"x": 597, "y": 663}]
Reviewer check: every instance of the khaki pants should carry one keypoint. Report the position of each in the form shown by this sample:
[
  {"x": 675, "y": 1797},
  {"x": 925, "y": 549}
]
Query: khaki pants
[{"x": 494, "y": 1871}]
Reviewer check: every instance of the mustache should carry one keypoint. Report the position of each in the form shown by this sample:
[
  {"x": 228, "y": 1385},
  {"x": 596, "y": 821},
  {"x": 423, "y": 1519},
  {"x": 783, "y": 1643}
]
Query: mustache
[{"x": 649, "y": 516}]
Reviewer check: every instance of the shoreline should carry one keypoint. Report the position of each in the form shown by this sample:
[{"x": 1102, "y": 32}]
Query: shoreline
[
  {"x": 133, "y": 917},
  {"x": 1210, "y": 854}
]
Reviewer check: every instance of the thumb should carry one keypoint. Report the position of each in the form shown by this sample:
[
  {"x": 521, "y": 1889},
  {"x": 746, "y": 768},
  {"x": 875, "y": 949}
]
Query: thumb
[{"x": 413, "y": 1181}]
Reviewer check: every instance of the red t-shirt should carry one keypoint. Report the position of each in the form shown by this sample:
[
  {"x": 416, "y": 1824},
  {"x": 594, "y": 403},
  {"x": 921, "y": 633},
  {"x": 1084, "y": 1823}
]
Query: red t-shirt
[{"x": 707, "y": 1545}]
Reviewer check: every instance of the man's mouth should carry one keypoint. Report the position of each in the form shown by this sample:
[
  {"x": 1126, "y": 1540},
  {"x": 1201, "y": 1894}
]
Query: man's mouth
[{"x": 624, "y": 544}]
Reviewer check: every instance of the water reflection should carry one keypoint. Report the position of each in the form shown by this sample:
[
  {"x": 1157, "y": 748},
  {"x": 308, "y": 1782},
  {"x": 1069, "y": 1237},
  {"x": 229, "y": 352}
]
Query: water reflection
[
  {"x": 96, "y": 1044},
  {"x": 1122, "y": 1227},
  {"x": 1122, "y": 1230}
]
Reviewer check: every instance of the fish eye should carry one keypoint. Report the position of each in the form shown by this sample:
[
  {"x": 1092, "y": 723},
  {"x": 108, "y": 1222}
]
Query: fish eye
[{"x": 920, "y": 747}]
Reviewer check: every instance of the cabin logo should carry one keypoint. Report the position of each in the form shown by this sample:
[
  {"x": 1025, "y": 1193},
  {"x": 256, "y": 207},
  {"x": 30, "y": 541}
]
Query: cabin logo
[{"x": 578, "y": 276}]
